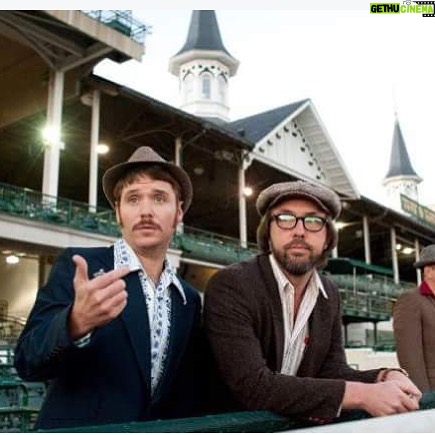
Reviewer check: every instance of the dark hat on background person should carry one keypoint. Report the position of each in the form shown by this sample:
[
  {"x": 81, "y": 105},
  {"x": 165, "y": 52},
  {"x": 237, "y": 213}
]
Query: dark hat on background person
[
  {"x": 324, "y": 197},
  {"x": 146, "y": 156},
  {"x": 427, "y": 256}
]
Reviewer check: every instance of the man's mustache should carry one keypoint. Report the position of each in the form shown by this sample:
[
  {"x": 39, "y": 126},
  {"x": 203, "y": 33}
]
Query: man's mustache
[
  {"x": 298, "y": 243},
  {"x": 147, "y": 223}
]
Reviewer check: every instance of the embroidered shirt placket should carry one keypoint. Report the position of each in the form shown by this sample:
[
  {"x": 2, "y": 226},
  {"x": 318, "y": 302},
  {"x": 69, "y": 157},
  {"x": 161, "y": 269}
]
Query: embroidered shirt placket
[{"x": 158, "y": 302}]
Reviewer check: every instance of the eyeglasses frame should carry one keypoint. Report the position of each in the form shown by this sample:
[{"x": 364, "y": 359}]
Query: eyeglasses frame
[{"x": 275, "y": 218}]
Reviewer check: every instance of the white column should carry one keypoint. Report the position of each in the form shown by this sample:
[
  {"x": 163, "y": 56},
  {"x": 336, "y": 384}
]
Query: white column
[
  {"x": 366, "y": 232},
  {"x": 53, "y": 142},
  {"x": 417, "y": 258},
  {"x": 178, "y": 162},
  {"x": 242, "y": 208},
  {"x": 394, "y": 255},
  {"x": 178, "y": 148},
  {"x": 93, "y": 160}
]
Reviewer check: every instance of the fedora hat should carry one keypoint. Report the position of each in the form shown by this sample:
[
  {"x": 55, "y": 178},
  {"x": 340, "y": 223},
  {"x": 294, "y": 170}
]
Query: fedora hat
[
  {"x": 146, "y": 156},
  {"x": 324, "y": 197},
  {"x": 427, "y": 256}
]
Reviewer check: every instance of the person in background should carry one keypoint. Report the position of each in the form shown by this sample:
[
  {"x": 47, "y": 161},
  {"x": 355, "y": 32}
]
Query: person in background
[
  {"x": 414, "y": 325},
  {"x": 274, "y": 324},
  {"x": 114, "y": 331}
]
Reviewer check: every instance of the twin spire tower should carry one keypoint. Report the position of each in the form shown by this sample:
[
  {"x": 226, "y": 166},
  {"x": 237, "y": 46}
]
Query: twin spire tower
[
  {"x": 401, "y": 177},
  {"x": 204, "y": 67}
]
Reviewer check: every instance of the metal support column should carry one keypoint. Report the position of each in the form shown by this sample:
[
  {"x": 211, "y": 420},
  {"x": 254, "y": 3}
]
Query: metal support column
[
  {"x": 53, "y": 141},
  {"x": 242, "y": 208},
  {"x": 346, "y": 335},
  {"x": 366, "y": 232},
  {"x": 93, "y": 160},
  {"x": 394, "y": 255},
  {"x": 375, "y": 333},
  {"x": 178, "y": 149},
  {"x": 178, "y": 161},
  {"x": 417, "y": 258},
  {"x": 42, "y": 260}
]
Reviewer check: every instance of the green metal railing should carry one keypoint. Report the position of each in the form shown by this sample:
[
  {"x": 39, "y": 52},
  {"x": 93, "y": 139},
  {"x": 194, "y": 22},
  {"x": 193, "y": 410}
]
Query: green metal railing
[
  {"x": 369, "y": 296},
  {"x": 239, "y": 422},
  {"x": 122, "y": 21},
  {"x": 30, "y": 204},
  {"x": 34, "y": 205},
  {"x": 207, "y": 246},
  {"x": 364, "y": 296},
  {"x": 20, "y": 401},
  {"x": 10, "y": 329}
]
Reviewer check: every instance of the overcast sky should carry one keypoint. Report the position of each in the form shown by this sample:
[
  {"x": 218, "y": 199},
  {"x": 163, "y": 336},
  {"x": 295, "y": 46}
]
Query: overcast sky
[{"x": 358, "y": 69}]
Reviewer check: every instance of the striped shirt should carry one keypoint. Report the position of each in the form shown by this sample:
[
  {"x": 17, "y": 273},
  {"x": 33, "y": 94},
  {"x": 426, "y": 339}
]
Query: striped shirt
[{"x": 296, "y": 331}]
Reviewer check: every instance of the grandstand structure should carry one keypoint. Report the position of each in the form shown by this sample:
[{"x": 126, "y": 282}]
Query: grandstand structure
[{"x": 50, "y": 190}]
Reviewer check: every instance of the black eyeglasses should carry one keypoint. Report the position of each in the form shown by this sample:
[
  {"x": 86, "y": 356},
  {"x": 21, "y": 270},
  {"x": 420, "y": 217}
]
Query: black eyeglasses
[{"x": 287, "y": 221}]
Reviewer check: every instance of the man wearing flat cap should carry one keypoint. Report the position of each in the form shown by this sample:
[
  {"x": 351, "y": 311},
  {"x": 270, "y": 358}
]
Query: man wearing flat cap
[
  {"x": 414, "y": 325},
  {"x": 115, "y": 331},
  {"x": 274, "y": 323}
]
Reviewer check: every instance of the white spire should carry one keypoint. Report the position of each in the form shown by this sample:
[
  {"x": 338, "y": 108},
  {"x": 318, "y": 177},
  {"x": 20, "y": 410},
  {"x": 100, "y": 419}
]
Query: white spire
[{"x": 204, "y": 67}]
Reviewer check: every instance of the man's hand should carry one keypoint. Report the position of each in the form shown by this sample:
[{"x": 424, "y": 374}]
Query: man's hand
[
  {"x": 405, "y": 383},
  {"x": 382, "y": 398},
  {"x": 97, "y": 301}
]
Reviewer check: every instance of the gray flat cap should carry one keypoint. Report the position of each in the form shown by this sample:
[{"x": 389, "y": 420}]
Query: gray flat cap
[
  {"x": 146, "y": 156},
  {"x": 427, "y": 256},
  {"x": 326, "y": 198}
]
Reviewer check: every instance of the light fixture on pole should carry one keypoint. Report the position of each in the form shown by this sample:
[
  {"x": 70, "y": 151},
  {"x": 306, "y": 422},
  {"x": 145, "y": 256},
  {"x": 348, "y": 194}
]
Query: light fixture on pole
[
  {"x": 248, "y": 191},
  {"x": 102, "y": 149},
  {"x": 51, "y": 136},
  {"x": 12, "y": 259}
]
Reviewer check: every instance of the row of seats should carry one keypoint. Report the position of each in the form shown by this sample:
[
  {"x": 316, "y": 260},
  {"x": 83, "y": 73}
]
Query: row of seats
[
  {"x": 34, "y": 205},
  {"x": 376, "y": 286},
  {"x": 20, "y": 401},
  {"x": 205, "y": 248}
]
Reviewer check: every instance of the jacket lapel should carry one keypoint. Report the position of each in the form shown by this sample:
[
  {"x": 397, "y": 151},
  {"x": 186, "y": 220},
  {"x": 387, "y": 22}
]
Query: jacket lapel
[
  {"x": 182, "y": 317},
  {"x": 317, "y": 326},
  {"x": 135, "y": 314},
  {"x": 315, "y": 322},
  {"x": 135, "y": 318},
  {"x": 276, "y": 307}
]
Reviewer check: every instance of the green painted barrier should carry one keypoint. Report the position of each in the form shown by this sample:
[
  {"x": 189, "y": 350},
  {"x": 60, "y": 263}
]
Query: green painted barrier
[{"x": 241, "y": 422}]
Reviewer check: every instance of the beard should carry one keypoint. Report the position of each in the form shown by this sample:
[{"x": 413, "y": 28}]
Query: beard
[{"x": 291, "y": 264}]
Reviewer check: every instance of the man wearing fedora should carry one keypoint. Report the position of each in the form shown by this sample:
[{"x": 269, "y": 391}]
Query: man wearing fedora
[
  {"x": 274, "y": 323},
  {"x": 414, "y": 325},
  {"x": 114, "y": 331}
]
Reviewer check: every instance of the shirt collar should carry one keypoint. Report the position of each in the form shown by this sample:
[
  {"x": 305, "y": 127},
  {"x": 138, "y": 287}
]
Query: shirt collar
[
  {"x": 425, "y": 290},
  {"x": 282, "y": 280},
  {"x": 124, "y": 255}
]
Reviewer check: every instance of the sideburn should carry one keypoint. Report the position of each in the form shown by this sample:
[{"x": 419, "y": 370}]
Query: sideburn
[
  {"x": 118, "y": 215},
  {"x": 263, "y": 234},
  {"x": 177, "y": 211}
]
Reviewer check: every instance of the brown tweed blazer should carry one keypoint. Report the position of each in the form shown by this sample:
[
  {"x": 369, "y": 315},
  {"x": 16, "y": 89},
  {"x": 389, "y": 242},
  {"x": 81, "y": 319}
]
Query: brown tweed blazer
[
  {"x": 414, "y": 333},
  {"x": 245, "y": 328}
]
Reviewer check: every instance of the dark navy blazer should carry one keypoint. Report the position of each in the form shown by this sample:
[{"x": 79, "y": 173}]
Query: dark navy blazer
[{"x": 108, "y": 381}]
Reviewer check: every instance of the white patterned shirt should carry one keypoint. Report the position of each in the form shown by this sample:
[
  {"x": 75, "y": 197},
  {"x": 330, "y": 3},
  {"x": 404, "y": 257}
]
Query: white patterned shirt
[
  {"x": 296, "y": 331},
  {"x": 158, "y": 302}
]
